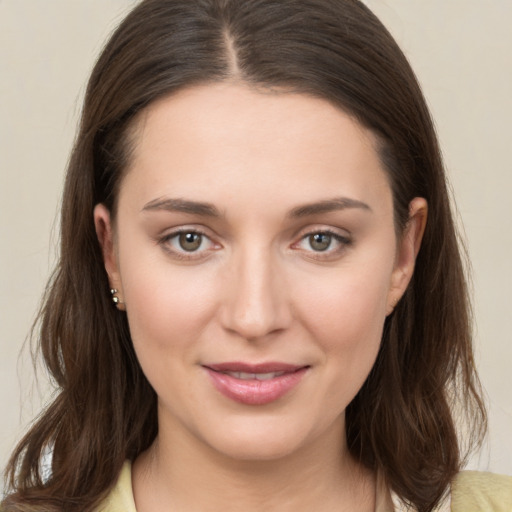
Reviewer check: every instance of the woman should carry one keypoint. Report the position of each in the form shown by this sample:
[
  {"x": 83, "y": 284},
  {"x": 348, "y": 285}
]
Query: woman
[{"x": 260, "y": 299}]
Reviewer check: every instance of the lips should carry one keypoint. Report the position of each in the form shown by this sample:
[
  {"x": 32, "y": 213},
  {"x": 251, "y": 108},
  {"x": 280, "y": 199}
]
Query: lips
[
  {"x": 253, "y": 376},
  {"x": 255, "y": 384}
]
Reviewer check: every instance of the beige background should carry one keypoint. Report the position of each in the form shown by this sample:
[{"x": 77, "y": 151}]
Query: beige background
[{"x": 460, "y": 50}]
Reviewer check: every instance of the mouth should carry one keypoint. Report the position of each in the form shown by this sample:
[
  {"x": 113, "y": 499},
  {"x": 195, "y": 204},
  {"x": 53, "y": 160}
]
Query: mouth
[
  {"x": 254, "y": 376},
  {"x": 255, "y": 384}
]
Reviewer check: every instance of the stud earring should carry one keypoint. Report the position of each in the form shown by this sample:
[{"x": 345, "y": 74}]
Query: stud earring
[{"x": 115, "y": 299}]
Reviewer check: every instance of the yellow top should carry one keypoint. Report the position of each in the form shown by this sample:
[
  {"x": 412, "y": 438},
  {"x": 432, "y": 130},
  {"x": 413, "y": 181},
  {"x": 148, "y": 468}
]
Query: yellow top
[
  {"x": 472, "y": 491},
  {"x": 121, "y": 497}
]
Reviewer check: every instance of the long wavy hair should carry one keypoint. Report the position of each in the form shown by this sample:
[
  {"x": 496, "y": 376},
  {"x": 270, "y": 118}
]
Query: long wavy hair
[{"x": 402, "y": 420}]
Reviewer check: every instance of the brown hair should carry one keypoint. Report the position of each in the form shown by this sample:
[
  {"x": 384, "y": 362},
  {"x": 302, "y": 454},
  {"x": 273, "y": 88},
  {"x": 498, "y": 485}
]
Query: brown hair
[{"x": 401, "y": 422}]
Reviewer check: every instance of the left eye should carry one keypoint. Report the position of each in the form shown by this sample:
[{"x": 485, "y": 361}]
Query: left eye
[
  {"x": 323, "y": 241},
  {"x": 320, "y": 241}
]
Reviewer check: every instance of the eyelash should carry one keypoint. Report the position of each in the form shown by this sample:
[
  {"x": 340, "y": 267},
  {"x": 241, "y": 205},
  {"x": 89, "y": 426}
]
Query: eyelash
[{"x": 182, "y": 254}]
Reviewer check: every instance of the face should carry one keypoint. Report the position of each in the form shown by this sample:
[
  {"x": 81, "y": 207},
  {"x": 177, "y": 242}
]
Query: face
[{"x": 255, "y": 251}]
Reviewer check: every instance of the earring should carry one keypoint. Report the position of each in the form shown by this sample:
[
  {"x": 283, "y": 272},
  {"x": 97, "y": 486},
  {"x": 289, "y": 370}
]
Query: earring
[{"x": 115, "y": 299}]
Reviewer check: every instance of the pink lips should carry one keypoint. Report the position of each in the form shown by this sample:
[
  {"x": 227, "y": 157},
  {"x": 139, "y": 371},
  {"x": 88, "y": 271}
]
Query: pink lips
[{"x": 255, "y": 384}]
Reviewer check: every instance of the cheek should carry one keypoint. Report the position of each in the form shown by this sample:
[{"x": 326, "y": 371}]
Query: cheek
[
  {"x": 348, "y": 309},
  {"x": 167, "y": 305},
  {"x": 345, "y": 316}
]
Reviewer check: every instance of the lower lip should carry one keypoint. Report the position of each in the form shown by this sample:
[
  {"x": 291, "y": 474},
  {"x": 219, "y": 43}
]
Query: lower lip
[{"x": 255, "y": 392}]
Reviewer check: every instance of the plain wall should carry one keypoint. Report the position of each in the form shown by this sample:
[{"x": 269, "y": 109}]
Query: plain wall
[{"x": 460, "y": 50}]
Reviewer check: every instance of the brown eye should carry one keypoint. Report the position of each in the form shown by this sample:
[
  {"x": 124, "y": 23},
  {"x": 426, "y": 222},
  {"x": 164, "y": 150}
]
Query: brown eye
[
  {"x": 190, "y": 242},
  {"x": 320, "y": 241}
]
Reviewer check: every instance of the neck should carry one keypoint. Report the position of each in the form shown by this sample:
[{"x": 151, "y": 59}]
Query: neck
[{"x": 179, "y": 473}]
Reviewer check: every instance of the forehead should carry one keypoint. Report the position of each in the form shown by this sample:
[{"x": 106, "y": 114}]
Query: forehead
[{"x": 223, "y": 141}]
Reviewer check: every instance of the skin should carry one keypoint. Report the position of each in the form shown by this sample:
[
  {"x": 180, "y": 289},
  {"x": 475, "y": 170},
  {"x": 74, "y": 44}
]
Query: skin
[{"x": 256, "y": 290}]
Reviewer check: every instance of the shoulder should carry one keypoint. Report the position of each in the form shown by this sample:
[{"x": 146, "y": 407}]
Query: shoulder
[
  {"x": 120, "y": 498},
  {"x": 474, "y": 491},
  {"x": 471, "y": 491}
]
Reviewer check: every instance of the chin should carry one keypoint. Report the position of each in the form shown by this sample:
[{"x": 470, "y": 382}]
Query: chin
[
  {"x": 259, "y": 440},
  {"x": 254, "y": 451}
]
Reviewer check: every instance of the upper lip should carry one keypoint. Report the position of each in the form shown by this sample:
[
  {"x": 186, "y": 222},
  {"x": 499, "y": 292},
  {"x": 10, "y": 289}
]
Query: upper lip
[{"x": 239, "y": 366}]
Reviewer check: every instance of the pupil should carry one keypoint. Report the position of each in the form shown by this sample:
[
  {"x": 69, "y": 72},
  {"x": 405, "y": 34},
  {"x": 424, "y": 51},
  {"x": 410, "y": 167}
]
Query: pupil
[
  {"x": 320, "y": 241},
  {"x": 190, "y": 241}
]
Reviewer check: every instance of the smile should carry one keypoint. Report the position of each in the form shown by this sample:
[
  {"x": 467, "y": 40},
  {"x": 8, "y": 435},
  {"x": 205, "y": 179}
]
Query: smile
[
  {"x": 255, "y": 384},
  {"x": 254, "y": 376}
]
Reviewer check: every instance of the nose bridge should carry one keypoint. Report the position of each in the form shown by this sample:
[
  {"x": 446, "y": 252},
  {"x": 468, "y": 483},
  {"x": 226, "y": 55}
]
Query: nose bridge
[{"x": 256, "y": 304}]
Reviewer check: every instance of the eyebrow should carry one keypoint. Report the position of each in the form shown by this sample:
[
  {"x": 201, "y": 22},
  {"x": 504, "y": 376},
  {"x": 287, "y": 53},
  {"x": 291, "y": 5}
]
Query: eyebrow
[
  {"x": 209, "y": 210},
  {"x": 327, "y": 206},
  {"x": 183, "y": 206}
]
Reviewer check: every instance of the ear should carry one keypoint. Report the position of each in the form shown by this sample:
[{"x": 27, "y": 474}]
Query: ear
[
  {"x": 407, "y": 251},
  {"x": 105, "y": 234}
]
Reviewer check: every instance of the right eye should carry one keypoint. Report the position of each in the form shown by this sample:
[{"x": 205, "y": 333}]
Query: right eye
[{"x": 187, "y": 243}]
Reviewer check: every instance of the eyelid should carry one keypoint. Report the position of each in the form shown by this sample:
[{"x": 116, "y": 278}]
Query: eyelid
[{"x": 312, "y": 229}]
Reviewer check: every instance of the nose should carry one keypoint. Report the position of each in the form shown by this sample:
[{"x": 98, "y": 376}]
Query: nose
[{"x": 256, "y": 302}]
